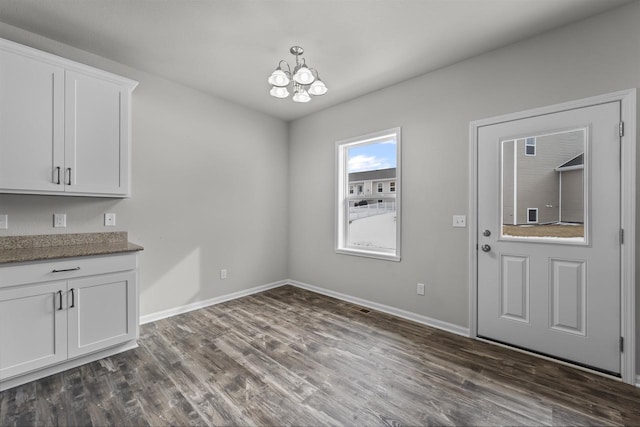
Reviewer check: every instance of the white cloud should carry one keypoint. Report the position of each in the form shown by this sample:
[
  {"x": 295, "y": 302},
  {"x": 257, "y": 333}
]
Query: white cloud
[{"x": 362, "y": 163}]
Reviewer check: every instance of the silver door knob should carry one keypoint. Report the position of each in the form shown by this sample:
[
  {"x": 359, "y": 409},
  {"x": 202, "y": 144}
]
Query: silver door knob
[{"x": 486, "y": 248}]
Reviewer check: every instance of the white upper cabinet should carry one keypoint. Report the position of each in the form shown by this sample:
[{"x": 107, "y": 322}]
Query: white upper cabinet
[
  {"x": 64, "y": 127},
  {"x": 31, "y": 123}
]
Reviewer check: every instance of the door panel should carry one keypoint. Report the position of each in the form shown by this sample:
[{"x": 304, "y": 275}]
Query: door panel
[
  {"x": 568, "y": 305},
  {"x": 549, "y": 195},
  {"x": 514, "y": 288},
  {"x": 33, "y": 329},
  {"x": 101, "y": 312},
  {"x": 94, "y": 146},
  {"x": 32, "y": 127}
]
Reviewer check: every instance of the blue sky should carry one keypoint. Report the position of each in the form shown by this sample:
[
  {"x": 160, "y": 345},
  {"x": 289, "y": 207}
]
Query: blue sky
[{"x": 379, "y": 155}]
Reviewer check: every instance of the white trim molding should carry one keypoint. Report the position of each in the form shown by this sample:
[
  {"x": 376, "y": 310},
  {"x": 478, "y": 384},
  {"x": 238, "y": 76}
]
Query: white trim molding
[
  {"x": 418, "y": 318},
  {"x": 627, "y": 99},
  {"x": 163, "y": 314}
]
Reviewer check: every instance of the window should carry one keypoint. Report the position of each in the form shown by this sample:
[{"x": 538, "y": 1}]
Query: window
[
  {"x": 364, "y": 227},
  {"x": 530, "y": 147},
  {"x": 351, "y": 189},
  {"x": 532, "y": 215}
]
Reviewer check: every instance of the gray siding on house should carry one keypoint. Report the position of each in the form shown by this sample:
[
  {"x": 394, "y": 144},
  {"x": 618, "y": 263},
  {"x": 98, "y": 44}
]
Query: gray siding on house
[
  {"x": 537, "y": 181},
  {"x": 372, "y": 175},
  {"x": 572, "y": 209},
  {"x": 507, "y": 183}
]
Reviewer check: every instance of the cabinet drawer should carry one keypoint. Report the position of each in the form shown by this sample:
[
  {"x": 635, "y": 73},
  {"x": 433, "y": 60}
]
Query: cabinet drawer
[{"x": 43, "y": 271}]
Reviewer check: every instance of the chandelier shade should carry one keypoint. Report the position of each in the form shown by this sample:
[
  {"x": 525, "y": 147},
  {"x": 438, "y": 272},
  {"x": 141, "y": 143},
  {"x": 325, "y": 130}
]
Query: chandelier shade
[
  {"x": 279, "y": 92},
  {"x": 302, "y": 81}
]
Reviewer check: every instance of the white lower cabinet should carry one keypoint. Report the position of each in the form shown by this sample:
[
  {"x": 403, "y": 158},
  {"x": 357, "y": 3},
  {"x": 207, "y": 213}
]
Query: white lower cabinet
[{"x": 57, "y": 324}]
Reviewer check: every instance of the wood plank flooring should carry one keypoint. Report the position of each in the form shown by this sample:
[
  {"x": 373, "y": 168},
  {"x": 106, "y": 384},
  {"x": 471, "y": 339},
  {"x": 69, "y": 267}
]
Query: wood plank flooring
[{"x": 292, "y": 357}]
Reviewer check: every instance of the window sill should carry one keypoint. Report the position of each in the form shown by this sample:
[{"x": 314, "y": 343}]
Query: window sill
[{"x": 368, "y": 254}]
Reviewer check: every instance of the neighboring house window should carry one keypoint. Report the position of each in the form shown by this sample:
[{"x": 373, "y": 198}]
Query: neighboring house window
[
  {"x": 392, "y": 186},
  {"x": 351, "y": 189},
  {"x": 530, "y": 147},
  {"x": 532, "y": 215},
  {"x": 369, "y": 229}
]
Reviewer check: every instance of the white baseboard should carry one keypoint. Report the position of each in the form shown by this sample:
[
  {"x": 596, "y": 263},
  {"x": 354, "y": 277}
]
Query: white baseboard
[
  {"x": 435, "y": 323},
  {"x": 152, "y": 317}
]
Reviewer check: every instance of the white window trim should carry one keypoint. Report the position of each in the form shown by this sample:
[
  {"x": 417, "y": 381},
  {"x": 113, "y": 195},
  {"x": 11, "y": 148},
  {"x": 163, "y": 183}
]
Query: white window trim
[{"x": 342, "y": 193}]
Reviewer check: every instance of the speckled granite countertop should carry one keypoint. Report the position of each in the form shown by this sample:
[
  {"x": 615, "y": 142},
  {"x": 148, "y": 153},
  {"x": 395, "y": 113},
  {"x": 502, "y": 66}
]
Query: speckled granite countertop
[{"x": 51, "y": 246}]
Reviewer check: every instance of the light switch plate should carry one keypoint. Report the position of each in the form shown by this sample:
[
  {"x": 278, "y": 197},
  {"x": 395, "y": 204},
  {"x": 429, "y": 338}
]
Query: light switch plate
[
  {"x": 460, "y": 221},
  {"x": 59, "y": 220},
  {"x": 109, "y": 220},
  {"x": 4, "y": 222}
]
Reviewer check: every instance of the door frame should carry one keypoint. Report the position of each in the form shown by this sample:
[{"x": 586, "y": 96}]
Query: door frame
[{"x": 627, "y": 98}]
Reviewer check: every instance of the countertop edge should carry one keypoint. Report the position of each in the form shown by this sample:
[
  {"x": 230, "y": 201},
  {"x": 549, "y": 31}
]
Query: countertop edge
[{"x": 15, "y": 256}]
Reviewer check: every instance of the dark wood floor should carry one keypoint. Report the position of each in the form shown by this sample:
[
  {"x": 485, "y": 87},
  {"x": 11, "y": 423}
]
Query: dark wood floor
[{"x": 292, "y": 357}]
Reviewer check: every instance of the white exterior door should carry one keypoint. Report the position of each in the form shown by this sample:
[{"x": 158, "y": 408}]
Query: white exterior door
[{"x": 548, "y": 223}]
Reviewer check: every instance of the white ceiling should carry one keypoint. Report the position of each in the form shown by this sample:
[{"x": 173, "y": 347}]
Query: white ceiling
[{"x": 228, "y": 48}]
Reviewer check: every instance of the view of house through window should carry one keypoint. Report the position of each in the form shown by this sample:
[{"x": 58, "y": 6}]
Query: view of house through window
[
  {"x": 543, "y": 186},
  {"x": 368, "y": 219}
]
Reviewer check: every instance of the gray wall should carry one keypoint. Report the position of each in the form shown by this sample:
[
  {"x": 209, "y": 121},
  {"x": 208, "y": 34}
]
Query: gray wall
[
  {"x": 200, "y": 166},
  {"x": 538, "y": 181},
  {"x": 596, "y": 56},
  {"x": 198, "y": 162}
]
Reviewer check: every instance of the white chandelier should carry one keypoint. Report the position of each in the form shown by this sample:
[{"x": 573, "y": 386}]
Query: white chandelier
[{"x": 302, "y": 81}]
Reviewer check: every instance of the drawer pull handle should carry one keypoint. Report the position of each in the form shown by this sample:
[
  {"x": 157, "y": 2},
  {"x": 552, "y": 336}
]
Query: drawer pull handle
[
  {"x": 60, "y": 300},
  {"x": 69, "y": 182},
  {"x": 66, "y": 269},
  {"x": 73, "y": 298},
  {"x": 58, "y": 170}
]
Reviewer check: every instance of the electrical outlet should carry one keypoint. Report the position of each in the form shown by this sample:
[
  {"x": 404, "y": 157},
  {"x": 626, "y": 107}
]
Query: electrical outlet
[
  {"x": 59, "y": 220},
  {"x": 109, "y": 220},
  {"x": 420, "y": 288},
  {"x": 460, "y": 221},
  {"x": 4, "y": 222},
  {"x": 223, "y": 273}
]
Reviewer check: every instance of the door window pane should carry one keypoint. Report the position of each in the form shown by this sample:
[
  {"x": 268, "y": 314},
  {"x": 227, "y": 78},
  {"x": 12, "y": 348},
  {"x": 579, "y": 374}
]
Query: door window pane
[{"x": 543, "y": 186}]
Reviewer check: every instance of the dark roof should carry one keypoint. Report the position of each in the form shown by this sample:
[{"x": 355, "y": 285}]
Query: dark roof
[
  {"x": 576, "y": 161},
  {"x": 372, "y": 175}
]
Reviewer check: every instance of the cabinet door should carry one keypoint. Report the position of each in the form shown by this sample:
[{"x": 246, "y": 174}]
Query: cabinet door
[
  {"x": 96, "y": 145},
  {"x": 33, "y": 328},
  {"x": 102, "y": 312},
  {"x": 31, "y": 125}
]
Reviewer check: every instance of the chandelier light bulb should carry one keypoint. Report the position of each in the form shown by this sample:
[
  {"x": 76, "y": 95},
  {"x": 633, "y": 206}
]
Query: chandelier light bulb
[
  {"x": 279, "y": 92},
  {"x": 301, "y": 95},
  {"x": 318, "y": 88},
  {"x": 278, "y": 78},
  {"x": 304, "y": 76}
]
